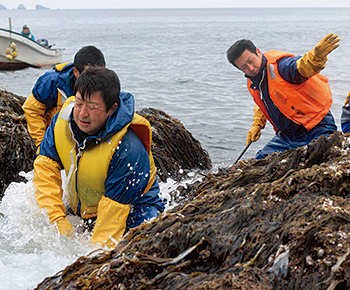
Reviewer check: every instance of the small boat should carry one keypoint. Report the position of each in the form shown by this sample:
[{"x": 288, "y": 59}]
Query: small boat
[{"x": 18, "y": 51}]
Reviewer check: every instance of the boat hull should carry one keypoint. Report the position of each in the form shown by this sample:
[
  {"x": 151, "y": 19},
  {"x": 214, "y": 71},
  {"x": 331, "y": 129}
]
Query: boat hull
[{"x": 29, "y": 52}]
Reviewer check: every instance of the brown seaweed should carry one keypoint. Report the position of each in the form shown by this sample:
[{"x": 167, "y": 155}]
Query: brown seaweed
[
  {"x": 278, "y": 223},
  {"x": 175, "y": 150},
  {"x": 17, "y": 148}
]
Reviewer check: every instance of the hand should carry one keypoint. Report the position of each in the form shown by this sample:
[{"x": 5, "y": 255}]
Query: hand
[
  {"x": 64, "y": 227},
  {"x": 314, "y": 61},
  {"x": 327, "y": 45},
  {"x": 253, "y": 134}
]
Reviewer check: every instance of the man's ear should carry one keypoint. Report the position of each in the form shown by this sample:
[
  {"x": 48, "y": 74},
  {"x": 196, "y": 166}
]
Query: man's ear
[
  {"x": 258, "y": 52},
  {"x": 112, "y": 109},
  {"x": 76, "y": 72}
]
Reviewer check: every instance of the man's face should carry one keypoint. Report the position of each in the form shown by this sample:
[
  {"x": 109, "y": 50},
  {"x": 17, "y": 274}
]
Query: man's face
[
  {"x": 249, "y": 62},
  {"x": 90, "y": 114},
  {"x": 26, "y": 30}
]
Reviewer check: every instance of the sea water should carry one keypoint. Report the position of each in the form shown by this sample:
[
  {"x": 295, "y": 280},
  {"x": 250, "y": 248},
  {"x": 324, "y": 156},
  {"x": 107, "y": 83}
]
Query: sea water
[{"x": 169, "y": 59}]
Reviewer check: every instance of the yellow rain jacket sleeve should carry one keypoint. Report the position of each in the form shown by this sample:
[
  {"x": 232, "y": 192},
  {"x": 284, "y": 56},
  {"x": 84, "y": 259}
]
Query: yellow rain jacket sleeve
[
  {"x": 314, "y": 61},
  {"x": 111, "y": 222},
  {"x": 35, "y": 116},
  {"x": 48, "y": 192},
  {"x": 259, "y": 122}
]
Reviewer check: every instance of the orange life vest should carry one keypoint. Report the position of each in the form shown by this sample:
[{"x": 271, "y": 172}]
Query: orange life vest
[{"x": 305, "y": 104}]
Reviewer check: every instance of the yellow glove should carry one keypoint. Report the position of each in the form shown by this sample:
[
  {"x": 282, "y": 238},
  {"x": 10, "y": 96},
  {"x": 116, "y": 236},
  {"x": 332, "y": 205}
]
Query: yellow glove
[
  {"x": 259, "y": 122},
  {"x": 347, "y": 99},
  {"x": 314, "y": 61},
  {"x": 64, "y": 226},
  {"x": 253, "y": 134}
]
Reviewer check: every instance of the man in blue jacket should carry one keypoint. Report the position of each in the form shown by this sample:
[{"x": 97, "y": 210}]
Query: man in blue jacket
[
  {"x": 105, "y": 150},
  {"x": 288, "y": 91},
  {"x": 26, "y": 32},
  {"x": 54, "y": 87}
]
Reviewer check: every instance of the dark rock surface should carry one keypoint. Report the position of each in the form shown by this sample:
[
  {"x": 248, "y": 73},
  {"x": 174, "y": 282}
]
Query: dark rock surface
[
  {"x": 175, "y": 150},
  {"x": 17, "y": 148}
]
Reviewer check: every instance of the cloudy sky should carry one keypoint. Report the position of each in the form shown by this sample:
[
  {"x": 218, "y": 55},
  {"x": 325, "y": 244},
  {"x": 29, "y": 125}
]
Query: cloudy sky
[{"x": 93, "y": 4}]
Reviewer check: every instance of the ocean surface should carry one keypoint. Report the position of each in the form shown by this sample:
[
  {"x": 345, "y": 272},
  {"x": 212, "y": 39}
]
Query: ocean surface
[{"x": 169, "y": 59}]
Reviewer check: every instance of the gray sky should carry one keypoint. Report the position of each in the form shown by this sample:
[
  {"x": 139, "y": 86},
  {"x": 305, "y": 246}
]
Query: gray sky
[{"x": 95, "y": 4}]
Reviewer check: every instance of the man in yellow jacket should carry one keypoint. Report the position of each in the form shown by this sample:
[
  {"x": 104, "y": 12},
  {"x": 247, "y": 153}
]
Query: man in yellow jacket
[
  {"x": 288, "y": 91},
  {"x": 53, "y": 88},
  {"x": 105, "y": 151}
]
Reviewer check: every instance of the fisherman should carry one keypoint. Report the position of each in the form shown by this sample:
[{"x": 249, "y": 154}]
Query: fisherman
[
  {"x": 26, "y": 32},
  {"x": 105, "y": 150},
  {"x": 53, "y": 88},
  {"x": 288, "y": 91}
]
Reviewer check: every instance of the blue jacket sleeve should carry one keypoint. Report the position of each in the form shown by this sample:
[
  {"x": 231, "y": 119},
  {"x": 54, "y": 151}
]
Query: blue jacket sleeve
[
  {"x": 45, "y": 89},
  {"x": 128, "y": 176},
  {"x": 287, "y": 68}
]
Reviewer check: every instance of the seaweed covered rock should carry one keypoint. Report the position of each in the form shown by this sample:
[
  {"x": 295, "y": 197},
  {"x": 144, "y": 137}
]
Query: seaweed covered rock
[
  {"x": 276, "y": 168},
  {"x": 175, "y": 150},
  {"x": 17, "y": 149},
  {"x": 278, "y": 223}
]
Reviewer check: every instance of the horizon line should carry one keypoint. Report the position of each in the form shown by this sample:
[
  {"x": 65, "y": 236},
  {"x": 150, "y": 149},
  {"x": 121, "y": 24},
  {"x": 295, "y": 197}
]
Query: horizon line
[{"x": 240, "y": 7}]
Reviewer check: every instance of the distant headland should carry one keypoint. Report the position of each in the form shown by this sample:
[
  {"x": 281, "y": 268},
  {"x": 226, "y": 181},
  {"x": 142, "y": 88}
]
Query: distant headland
[{"x": 22, "y": 7}]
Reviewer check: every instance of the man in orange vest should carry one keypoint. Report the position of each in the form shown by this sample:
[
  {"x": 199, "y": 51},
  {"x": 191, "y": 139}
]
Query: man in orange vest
[{"x": 288, "y": 91}]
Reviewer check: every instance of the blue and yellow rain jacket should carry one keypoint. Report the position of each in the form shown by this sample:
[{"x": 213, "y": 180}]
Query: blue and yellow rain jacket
[
  {"x": 48, "y": 95},
  {"x": 111, "y": 175}
]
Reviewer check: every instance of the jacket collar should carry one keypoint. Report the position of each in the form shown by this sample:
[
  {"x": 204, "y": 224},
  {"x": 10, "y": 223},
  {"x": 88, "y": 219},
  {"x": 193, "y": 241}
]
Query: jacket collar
[{"x": 66, "y": 80}]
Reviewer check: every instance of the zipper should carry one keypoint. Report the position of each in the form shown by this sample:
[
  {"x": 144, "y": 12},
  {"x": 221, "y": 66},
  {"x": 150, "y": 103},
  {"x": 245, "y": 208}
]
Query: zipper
[
  {"x": 261, "y": 97},
  {"x": 79, "y": 153}
]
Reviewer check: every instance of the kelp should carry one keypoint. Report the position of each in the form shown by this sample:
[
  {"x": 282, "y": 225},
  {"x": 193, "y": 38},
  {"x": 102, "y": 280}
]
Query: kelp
[
  {"x": 176, "y": 152},
  {"x": 278, "y": 223},
  {"x": 276, "y": 168},
  {"x": 17, "y": 148}
]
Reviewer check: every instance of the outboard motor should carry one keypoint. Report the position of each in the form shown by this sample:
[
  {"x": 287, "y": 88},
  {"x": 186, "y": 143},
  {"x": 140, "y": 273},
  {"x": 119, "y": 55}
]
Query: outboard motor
[{"x": 43, "y": 42}]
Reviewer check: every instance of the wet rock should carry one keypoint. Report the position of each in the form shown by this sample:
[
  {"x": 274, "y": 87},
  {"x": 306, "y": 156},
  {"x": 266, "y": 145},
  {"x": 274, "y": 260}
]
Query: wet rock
[
  {"x": 175, "y": 150},
  {"x": 17, "y": 149},
  {"x": 257, "y": 225}
]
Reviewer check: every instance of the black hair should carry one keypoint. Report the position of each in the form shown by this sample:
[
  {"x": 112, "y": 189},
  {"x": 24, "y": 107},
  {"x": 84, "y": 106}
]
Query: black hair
[
  {"x": 88, "y": 56},
  {"x": 99, "y": 79},
  {"x": 236, "y": 50}
]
